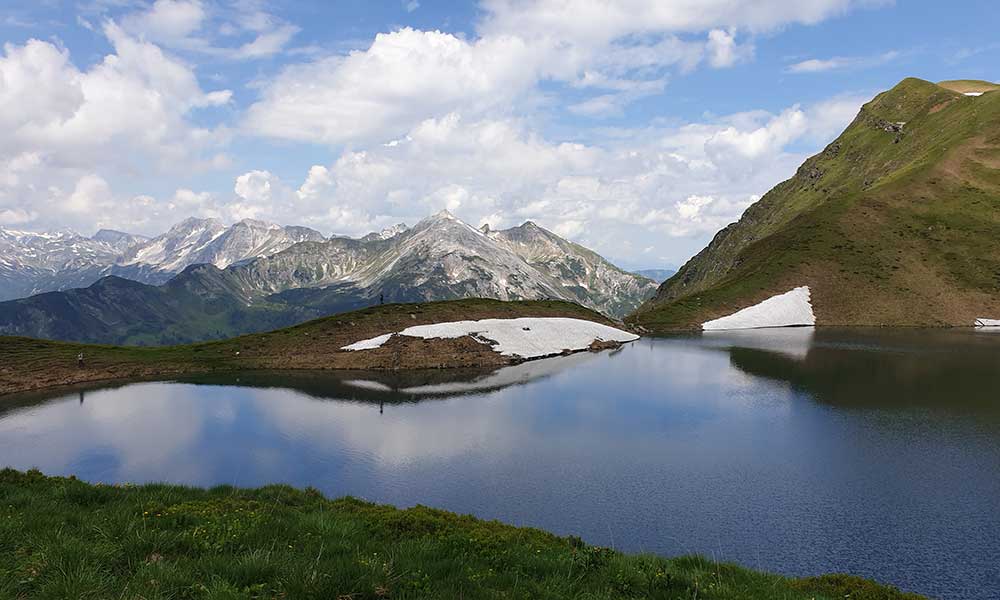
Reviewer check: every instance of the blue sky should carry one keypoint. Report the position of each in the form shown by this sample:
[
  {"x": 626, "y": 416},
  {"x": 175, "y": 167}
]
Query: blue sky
[{"x": 636, "y": 127}]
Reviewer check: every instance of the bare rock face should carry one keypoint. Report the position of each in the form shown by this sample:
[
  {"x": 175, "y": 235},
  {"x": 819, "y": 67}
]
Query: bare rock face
[{"x": 33, "y": 263}]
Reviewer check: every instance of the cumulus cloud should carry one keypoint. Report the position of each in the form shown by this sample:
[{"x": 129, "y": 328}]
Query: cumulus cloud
[
  {"x": 167, "y": 20},
  {"x": 408, "y": 75},
  {"x": 684, "y": 181},
  {"x": 403, "y": 78},
  {"x": 130, "y": 112},
  {"x": 723, "y": 51}
]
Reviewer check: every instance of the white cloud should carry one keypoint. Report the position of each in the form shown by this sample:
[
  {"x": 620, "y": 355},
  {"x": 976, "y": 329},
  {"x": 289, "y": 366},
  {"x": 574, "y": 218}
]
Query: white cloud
[
  {"x": 137, "y": 98},
  {"x": 815, "y": 65},
  {"x": 191, "y": 25},
  {"x": 404, "y": 77},
  {"x": 620, "y": 51},
  {"x": 67, "y": 128},
  {"x": 90, "y": 194},
  {"x": 602, "y": 20},
  {"x": 411, "y": 6},
  {"x": 16, "y": 216},
  {"x": 638, "y": 188},
  {"x": 167, "y": 20},
  {"x": 267, "y": 43},
  {"x": 723, "y": 51}
]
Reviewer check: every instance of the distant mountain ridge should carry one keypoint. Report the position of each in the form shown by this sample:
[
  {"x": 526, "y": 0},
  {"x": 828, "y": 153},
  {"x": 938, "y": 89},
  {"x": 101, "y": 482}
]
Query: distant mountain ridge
[
  {"x": 657, "y": 275},
  {"x": 33, "y": 263},
  {"x": 439, "y": 258}
]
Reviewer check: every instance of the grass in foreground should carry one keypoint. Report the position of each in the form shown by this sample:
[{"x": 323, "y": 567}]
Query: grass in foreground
[{"x": 62, "y": 538}]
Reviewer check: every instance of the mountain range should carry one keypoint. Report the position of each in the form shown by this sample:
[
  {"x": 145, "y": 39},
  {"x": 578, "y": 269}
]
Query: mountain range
[
  {"x": 32, "y": 263},
  {"x": 255, "y": 276},
  {"x": 896, "y": 222}
]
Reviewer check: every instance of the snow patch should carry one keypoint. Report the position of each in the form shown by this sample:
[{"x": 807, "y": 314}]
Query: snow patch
[
  {"x": 974, "y": 93},
  {"x": 987, "y": 323},
  {"x": 527, "y": 337},
  {"x": 784, "y": 310},
  {"x": 375, "y": 342}
]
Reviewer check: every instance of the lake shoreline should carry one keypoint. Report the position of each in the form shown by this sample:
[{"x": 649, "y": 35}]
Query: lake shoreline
[
  {"x": 69, "y": 383},
  {"x": 400, "y": 354},
  {"x": 28, "y": 364}
]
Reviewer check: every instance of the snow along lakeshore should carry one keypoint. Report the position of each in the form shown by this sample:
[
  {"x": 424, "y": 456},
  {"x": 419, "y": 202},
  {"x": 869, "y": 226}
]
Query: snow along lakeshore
[
  {"x": 790, "y": 309},
  {"x": 527, "y": 337},
  {"x": 987, "y": 322}
]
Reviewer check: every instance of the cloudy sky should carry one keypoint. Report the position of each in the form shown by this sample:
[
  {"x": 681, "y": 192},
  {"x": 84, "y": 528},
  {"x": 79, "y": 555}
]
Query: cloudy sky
[{"x": 635, "y": 127}]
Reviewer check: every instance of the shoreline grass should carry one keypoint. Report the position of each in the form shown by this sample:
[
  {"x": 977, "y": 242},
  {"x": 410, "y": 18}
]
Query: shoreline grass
[{"x": 63, "y": 538}]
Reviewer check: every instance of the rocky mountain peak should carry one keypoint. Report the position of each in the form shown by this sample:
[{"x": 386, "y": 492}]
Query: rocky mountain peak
[
  {"x": 192, "y": 224},
  {"x": 256, "y": 224},
  {"x": 387, "y": 233}
]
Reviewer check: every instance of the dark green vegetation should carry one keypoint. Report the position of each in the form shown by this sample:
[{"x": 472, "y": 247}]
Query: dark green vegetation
[
  {"x": 29, "y": 364},
  {"x": 62, "y": 538},
  {"x": 896, "y": 222},
  {"x": 203, "y": 302}
]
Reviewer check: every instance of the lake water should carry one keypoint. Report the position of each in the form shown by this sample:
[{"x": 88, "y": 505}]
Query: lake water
[{"x": 794, "y": 451}]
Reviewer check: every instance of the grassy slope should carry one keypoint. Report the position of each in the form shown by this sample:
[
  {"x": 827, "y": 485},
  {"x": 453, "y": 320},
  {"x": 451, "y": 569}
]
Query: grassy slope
[
  {"x": 887, "y": 227},
  {"x": 62, "y": 538},
  {"x": 27, "y": 364}
]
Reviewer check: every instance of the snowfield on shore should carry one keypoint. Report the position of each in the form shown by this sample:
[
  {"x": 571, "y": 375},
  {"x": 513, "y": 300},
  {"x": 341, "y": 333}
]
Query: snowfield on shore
[
  {"x": 527, "y": 337},
  {"x": 784, "y": 310}
]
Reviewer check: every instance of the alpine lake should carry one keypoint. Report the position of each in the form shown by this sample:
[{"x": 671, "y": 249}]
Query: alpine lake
[{"x": 797, "y": 451}]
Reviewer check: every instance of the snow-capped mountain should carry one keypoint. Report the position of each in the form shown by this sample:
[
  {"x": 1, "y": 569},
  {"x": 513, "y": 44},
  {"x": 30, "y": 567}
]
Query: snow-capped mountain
[
  {"x": 208, "y": 241},
  {"x": 585, "y": 276},
  {"x": 119, "y": 241},
  {"x": 440, "y": 258},
  {"x": 32, "y": 263},
  {"x": 386, "y": 233}
]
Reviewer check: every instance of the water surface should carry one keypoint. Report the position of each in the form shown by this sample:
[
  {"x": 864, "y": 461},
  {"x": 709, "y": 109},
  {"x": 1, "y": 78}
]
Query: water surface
[{"x": 800, "y": 452}]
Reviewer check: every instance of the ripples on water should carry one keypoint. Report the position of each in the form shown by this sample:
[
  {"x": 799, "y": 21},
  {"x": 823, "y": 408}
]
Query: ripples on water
[{"x": 797, "y": 451}]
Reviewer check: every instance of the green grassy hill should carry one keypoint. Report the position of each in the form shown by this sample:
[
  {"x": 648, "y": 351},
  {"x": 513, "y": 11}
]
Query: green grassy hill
[
  {"x": 62, "y": 538},
  {"x": 895, "y": 222}
]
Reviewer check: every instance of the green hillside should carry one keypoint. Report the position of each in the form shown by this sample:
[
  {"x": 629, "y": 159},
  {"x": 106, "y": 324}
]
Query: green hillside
[
  {"x": 896, "y": 222},
  {"x": 62, "y": 538}
]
